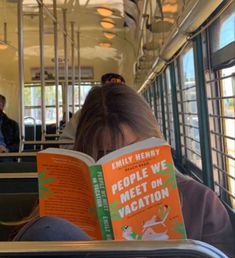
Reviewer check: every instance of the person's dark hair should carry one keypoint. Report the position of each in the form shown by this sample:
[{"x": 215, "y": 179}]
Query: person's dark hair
[
  {"x": 3, "y": 98},
  {"x": 109, "y": 76},
  {"x": 105, "y": 110}
]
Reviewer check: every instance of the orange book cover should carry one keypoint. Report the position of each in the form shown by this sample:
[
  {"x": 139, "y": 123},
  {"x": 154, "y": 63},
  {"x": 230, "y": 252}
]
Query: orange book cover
[
  {"x": 142, "y": 193},
  {"x": 65, "y": 189},
  {"x": 129, "y": 194}
]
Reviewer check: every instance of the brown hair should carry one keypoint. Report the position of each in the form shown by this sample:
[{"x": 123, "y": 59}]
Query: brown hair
[{"x": 105, "y": 109}]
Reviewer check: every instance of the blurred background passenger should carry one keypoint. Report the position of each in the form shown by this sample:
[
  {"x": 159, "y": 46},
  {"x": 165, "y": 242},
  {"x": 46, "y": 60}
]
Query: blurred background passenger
[
  {"x": 69, "y": 130},
  {"x": 63, "y": 121},
  {"x": 9, "y": 132}
]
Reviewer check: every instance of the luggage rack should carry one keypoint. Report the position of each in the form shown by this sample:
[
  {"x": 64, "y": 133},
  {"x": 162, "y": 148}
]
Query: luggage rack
[{"x": 107, "y": 249}]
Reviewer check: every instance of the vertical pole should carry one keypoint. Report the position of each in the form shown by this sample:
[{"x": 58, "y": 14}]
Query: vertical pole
[
  {"x": 42, "y": 68},
  {"x": 66, "y": 104},
  {"x": 21, "y": 69},
  {"x": 203, "y": 115},
  {"x": 73, "y": 65},
  {"x": 56, "y": 64},
  {"x": 175, "y": 111},
  {"x": 79, "y": 70}
]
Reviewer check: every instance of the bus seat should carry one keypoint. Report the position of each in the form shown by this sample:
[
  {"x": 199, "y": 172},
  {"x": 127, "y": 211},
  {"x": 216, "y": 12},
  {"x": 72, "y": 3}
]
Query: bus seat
[
  {"x": 107, "y": 249},
  {"x": 6, "y": 167},
  {"x": 16, "y": 206}
]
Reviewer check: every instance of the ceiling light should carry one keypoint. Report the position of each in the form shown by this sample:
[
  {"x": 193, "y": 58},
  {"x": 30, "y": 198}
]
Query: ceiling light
[
  {"x": 170, "y": 8},
  {"x": 109, "y": 35},
  {"x": 3, "y": 46},
  {"x": 107, "y": 24},
  {"x": 105, "y": 44},
  {"x": 104, "y": 11}
]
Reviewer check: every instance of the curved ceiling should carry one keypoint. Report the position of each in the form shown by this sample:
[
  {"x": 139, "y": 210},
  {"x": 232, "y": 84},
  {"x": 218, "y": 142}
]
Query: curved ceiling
[
  {"x": 137, "y": 32},
  {"x": 98, "y": 49}
]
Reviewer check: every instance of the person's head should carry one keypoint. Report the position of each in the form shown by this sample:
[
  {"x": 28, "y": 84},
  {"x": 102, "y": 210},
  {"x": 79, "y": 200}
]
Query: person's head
[
  {"x": 2, "y": 103},
  {"x": 112, "y": 78},
  {"x": 113, "y": 117}
]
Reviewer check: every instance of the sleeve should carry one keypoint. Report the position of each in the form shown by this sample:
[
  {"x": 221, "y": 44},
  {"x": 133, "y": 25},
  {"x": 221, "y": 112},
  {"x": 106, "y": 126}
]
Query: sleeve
[
  {"x": 206, "y": 218},
  {"x": 69, "y": 131},
  {"x": 51, "y": 228},
  {"x": 217, "y": 228}
]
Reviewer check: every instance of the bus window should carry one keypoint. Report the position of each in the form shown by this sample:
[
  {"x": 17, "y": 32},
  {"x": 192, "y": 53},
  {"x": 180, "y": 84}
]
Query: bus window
[
  {"x": 227, "y": 31},
  {"x": 158, "y": 104},
  {"x": 166, "y": 109},
  {"x": 170, "y": 111},
  {"x": 222, "y": 31},
  {"x": 32, "y": 96},
  {"x": 221, "y": 104},
  {"x": 189, "y": 115},
  {"x": 227, "y": 89}
]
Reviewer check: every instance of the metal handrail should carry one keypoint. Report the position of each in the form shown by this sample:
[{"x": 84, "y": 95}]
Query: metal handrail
[
  {"x": 16, "y": 175},
  {"x": 34, "y": 130},
  {"x": 18, "y": 154},
  {"x": 170, "y": 248},
  {"x": 45, "y": 142}
]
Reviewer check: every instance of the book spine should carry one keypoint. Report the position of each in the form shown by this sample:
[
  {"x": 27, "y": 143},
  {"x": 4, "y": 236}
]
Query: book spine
[{"x": 101, "y": 202}]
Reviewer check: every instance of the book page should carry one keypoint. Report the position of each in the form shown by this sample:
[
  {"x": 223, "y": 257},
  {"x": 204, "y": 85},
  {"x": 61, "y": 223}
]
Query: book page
[
  {"x": 142, "y": 195},
  {"x": 65, "y": 190},
  {"x": 76, "y": 154}
]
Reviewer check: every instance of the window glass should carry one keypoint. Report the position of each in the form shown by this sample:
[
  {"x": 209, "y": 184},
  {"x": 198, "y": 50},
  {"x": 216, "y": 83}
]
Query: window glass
[
  {"x": 170, "y": 111},
  {"x": 228, "y": 121},
  {"x": 152, "y": 95},
  {"x": 227, "y": 31},
  {"x": 186, "y": 98},
  {"x": 188, "y": 71},
  {"x": 221, "y": 106},
  {"x": 84, "y": 89},
  {"x": 32, "y": 101},
  {"x": 32, "y": 96},
  {"x": 158, "y": 104},
  {"x": 166, "y": 110},
  {"x": 222, "y": 31}
]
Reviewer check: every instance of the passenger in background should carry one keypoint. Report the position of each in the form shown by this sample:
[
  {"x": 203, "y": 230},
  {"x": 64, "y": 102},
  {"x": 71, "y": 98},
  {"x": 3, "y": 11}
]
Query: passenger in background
[
  {"x": 9, "y": 132},
  {"x": 69, "y": 130},
  {"x": 63, "y": 121},
  {"x": 113, "y": 117}
]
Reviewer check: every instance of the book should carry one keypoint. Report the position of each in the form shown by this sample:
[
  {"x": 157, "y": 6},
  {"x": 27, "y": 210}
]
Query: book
[{"x": 129, "y": 194}]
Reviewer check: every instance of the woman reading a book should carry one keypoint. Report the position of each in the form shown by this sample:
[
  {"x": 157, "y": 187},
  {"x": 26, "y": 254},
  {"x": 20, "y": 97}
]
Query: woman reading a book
[{"x": 113, "y": 117}]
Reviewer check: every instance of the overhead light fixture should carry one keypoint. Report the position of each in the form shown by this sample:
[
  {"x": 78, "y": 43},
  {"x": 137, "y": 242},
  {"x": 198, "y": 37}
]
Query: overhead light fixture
[
  {"x": 170, "y": 8},
  {"x": 3, "y": 46},
  {"x": 109, "y": 35},
  {"x": 104, "y": 11},
  {"x": 105, "y": 44},
  {"x": 107, "y": 24}
]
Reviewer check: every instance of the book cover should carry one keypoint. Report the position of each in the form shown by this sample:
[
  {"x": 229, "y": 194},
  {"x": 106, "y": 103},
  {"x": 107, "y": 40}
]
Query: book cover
[
  {"x": 129, "y": 194},
  {"x": 65, "y": 189},
  {"x": 143, "y": 196}
]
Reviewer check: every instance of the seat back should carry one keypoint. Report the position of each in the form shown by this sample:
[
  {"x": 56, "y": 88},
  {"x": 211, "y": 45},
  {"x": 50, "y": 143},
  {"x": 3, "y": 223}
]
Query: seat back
[{"x": 106, "y": 249}]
